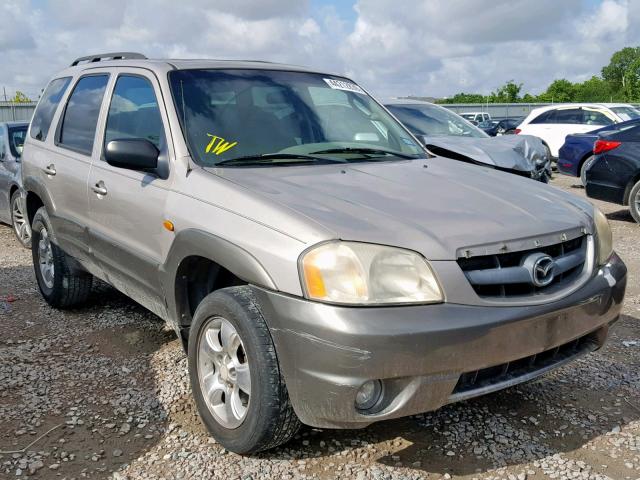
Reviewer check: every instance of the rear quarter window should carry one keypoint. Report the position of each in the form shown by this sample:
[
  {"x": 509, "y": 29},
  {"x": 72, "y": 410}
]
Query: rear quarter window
[{"x": 47, "y": 107}]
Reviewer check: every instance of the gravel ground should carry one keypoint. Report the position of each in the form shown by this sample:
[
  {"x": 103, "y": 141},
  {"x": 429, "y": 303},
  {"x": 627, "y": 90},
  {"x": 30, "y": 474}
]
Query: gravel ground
[{"x": 109, "y": 383}]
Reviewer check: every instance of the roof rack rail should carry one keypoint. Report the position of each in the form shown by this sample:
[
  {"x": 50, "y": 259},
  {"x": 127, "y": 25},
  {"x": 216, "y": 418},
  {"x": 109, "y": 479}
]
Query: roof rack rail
[{"x": 109, "y": 56}]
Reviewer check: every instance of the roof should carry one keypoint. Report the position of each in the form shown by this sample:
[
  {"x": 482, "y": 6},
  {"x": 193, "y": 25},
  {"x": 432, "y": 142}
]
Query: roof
[
  {"x": 404, "y": 101},
  {"x": 162, "y": 66}
]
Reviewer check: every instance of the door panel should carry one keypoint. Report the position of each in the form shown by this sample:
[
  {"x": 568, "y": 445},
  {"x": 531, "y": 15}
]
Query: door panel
[
  {"x": 65, "y": 169},
  {"x": 4, "y": 176},
  {"x": 127, "y": 207}
]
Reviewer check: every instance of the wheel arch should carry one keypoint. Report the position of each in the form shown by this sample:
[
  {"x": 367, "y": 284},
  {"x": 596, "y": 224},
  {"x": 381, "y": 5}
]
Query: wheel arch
[
  {"x": 199, "y": 263},
  {"x": 627, "y": 191},
  {"x": 37, "y": 196}
]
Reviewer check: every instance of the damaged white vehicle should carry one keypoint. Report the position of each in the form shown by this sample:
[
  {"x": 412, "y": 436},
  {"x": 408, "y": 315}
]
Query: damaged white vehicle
[{"x": 447, "y": 134}]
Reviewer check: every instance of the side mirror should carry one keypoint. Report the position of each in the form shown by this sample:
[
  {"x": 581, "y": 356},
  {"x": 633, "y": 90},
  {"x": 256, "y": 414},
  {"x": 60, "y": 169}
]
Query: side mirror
[
  {"x": 3, "y": 154},
  {"x": 132, "y": 154}
]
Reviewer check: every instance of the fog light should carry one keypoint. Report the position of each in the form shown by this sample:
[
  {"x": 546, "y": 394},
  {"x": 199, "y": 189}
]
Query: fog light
[{"x": 368, "y": 394}]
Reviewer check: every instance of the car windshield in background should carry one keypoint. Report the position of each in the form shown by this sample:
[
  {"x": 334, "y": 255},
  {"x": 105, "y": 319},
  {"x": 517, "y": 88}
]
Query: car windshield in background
[
  {"x": 16, "y": 140},
  {"x": 434, "y": 121},
  {"x": 249, "y": 114},
  {"x": 626, "y": 113}
]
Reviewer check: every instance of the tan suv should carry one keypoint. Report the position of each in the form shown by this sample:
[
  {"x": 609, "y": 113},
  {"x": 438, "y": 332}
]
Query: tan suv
[{"x": 319, "y": 266}]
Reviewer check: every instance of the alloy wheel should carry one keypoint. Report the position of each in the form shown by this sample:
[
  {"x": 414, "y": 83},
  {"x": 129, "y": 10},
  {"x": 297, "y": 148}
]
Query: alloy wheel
[
  {"x": 45, "y": 258},
  {"x": 20, "y": 223},
  {"x": 223, "y": 372}
]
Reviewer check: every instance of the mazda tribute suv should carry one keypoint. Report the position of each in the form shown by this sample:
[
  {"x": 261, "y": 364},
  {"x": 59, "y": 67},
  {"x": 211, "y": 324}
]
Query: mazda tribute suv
[{"x": 318, "y": 265}]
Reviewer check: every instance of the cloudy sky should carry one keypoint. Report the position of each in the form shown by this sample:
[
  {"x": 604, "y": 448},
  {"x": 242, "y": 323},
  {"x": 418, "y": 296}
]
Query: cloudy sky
[{"x": 391, "y": 47}]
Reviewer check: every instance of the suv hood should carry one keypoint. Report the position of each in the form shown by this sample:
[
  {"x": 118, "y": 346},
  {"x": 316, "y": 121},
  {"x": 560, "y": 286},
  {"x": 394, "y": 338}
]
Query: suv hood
[
  {"x": 512, "y": 152},
  {"x": 434, "y": 206}
]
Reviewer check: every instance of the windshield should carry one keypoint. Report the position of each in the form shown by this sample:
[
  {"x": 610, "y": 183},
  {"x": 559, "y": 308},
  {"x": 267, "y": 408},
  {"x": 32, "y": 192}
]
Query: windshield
[
  {"x": 434, "y": 121},
  {"x": 16, "y": 140},
  {"x": 239, "y": 114},
  {"x": 626, "y": 113}
]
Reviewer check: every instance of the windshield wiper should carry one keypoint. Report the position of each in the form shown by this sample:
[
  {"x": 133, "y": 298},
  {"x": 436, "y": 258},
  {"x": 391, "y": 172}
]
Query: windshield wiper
[
  {"x": 365, "y": 151},
  {"x": 268, "y": 158}
]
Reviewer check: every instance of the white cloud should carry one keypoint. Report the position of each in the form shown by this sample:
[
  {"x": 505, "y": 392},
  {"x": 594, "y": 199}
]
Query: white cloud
[{"x": 392, "y": 48}]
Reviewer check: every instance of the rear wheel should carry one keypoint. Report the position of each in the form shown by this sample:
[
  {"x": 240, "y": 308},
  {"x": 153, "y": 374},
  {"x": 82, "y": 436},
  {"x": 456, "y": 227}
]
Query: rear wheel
[
  {"x": 634, "y": 202},
  {"x": 60, "y": 284},
  {"x": 586, "y": 165},
  {"x": 235, "y": 376},
  {"x": 19, "y": 220}
]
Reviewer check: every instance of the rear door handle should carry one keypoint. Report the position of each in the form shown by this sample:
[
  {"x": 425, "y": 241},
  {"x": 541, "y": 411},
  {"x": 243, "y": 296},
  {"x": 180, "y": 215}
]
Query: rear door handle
[
  {"x": 99, "y": 188},
  {"x": 50, "y": 169}
]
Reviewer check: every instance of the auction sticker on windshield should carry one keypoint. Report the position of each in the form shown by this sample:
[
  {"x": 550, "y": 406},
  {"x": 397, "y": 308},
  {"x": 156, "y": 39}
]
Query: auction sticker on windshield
[{"x": 343, "y": 85}]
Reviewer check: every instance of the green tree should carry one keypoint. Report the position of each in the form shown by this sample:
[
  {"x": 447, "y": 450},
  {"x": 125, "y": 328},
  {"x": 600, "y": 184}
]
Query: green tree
[
  {"x": 507, "y": 93},
  {"x": 20, "y": 98},
  {"x": 559, "y": 91},
  {"x": 631, "y": 82},
  {"x": 595, "y": 90},
  {"x": 464, "y": 98},
  {"x": 615, "y": 72}
]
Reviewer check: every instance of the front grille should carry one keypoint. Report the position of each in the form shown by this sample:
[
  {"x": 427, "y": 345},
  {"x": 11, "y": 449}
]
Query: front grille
[
  {"x": 523, "y": 368},
  {"x": 504, "y": 276}
]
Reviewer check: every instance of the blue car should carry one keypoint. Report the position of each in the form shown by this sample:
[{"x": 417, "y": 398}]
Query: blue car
[{"x": 576, "y": 155}]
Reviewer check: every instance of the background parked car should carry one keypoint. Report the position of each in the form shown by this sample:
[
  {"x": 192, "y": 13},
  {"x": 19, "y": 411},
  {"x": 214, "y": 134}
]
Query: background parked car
[
  {"x": 476, "y": 117},
  {"x": 12, "y": 135},
  {"x": 449, "y": 135},
  {"x": 576, "y": 155},
  {"x": 615, "y": 173},
  {"x": 506, "y": 126},
  {"x": 554, "y": 122}
]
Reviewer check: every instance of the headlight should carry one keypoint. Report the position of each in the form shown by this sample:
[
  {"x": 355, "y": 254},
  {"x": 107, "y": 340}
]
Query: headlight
[
  {"x": 604, "y": 237},
  {"x": 366, "y": 274}
]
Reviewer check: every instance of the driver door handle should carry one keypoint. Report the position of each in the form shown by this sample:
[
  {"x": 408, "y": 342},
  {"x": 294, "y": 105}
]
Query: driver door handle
[
  {"x": 99, "y": 188},
  {"x": 50, "y": 169}
]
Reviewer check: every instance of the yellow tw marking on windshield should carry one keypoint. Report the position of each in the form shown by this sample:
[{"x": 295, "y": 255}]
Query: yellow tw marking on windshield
[{"x": 218, "y": 145}]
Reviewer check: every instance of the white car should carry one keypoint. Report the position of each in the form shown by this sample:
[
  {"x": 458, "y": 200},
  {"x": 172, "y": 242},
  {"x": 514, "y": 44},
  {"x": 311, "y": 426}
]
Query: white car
[
  {"x": 553, "y": 123},
  {"x": 477, "y": 117}
]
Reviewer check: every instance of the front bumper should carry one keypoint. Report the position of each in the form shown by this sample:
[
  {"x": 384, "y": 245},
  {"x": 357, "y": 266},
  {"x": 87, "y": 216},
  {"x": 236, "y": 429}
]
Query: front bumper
[{"x": 420, "y": 352}]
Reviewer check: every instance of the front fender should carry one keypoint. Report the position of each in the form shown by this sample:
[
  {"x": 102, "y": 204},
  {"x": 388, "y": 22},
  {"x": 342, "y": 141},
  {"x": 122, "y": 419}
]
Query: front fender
[{"x": 193, "y": 242}]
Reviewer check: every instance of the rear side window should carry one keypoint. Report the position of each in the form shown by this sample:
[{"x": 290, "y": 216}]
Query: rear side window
[
  {"x": 592, "y": 117},
  {"x": 544, "y": 117},
  {"x": 571, "y": 116},
  {"x": 47, "y": 107},
  {"x": 134, "y": 112},
  {"x": 78, "y": 127}
]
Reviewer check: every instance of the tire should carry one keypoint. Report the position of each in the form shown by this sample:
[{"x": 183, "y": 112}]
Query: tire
[
  {"x": 264, "y": 418},
  {"x": 19, "y": 220},
  {"x": 583, "y": 169},
  {"x": 60, "y": 285},
  {"x": 634, "y": 202},
  {"x": 554, "y": 163}
]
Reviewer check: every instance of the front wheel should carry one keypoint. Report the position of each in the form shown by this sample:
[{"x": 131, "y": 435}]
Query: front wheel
[
  {"x": 235, "y": 376},
  {"x": 634, "y": 202},
  {"x": 19, "y": 220}
]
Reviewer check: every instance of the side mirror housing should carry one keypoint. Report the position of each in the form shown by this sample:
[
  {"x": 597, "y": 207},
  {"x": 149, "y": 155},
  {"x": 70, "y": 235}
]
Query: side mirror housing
[{"x": 132, "y": 154}]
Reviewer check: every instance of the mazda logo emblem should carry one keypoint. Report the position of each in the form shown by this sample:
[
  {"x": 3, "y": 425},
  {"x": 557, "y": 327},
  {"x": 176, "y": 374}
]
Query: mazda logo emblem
[{"x": 541, "y": 268}]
